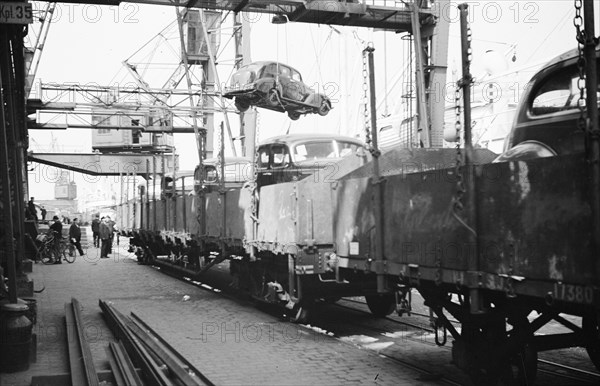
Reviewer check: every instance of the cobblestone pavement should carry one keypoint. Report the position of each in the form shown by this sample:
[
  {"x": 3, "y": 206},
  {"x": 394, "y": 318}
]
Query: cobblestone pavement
[{"x": 231, "y": 342}]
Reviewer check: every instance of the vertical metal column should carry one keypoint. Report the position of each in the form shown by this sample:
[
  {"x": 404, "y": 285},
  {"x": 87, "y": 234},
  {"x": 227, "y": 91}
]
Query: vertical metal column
[
  {"x": 19, "y": 136},
  {"x": 184, "y": 204},
  {"x": 127, "y": 198},
  {"x": 154, "y": 191},
  {"x": 174, "y": 197},
  {"x": 212, "y": 57},
  {"x": 5, "y": 175},
  {"x": 593, "y": 130},
  {"x": 423, "y": 114},
  {"x": 14, "y": 118},
  {"x": 222, "y": 189},
  {"x": 163, "y": 186},
  {"x": 377, "y": 181},
  {"x": 476, "y": 301},
  {"x": 121, "y": 204},
  {"x": 147, "y": 194},
  {"x": 133, "y": 199},
  {"x": 142, "y": 205}
]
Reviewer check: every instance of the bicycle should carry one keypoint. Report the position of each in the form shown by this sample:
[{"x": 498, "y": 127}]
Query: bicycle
[
  {"x": 50, "y": 253},
  {"x": 46, "y": 252},
  {"x": 67, "y": 250}
]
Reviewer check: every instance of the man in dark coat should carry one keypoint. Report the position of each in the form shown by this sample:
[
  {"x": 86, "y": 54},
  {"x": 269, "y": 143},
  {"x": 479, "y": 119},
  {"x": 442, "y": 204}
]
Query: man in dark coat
[
  {"x": 105, "y": 237},
  {"x": 32, "y": 210},
  {"x": 111, "y": 226},
  {"x": 75, "y": 236},
  {"x": 56, "y": 229},
  {"x": 44, "y": 211},
  {"x": 96, "y": 230}
]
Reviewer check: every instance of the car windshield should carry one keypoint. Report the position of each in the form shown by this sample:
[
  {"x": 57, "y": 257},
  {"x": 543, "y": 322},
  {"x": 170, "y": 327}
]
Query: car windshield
[{"x": 323, "y": 149}]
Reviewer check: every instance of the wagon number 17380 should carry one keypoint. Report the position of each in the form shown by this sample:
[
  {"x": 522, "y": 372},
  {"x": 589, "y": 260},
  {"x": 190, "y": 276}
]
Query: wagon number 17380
[{"x": 574, "y": 293}]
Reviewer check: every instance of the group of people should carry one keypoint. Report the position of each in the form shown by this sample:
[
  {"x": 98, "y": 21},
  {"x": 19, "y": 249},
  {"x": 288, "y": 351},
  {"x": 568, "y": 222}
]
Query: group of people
[
  {"x": 103, "y": 230},
  {"x": 74, "y": 234}
]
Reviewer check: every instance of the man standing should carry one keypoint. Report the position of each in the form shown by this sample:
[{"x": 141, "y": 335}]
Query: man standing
[
  {"x": 111, "y": 226},
  {"x": 32, "y": 209},
  {"x": 56, "y": 229},
  {"x": 105, "y": 237},
  {"x": 96, "y": 230},
  {"x": 44, "y": 211},
  {"x": 75, "y": 236}
]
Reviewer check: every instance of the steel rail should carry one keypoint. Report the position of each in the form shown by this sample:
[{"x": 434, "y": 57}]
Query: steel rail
[
  {"x": 122, "y": 367},
  {"x": 179, "y": 366},
  {"x": 565, "y": 367},
  {"x": 81, "y": 363},
  {"x": 151, "y": 371},
  {"x": 542, "y": 361}
]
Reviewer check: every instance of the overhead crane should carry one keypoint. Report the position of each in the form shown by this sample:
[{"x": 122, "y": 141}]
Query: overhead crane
[{"x": 430, "y": 40}]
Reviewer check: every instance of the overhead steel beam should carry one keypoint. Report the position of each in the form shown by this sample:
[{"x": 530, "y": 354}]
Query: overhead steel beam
[
  {"x": 102, "y": 164},
  {"x": 145, "y": 129},
  {"x": 394, "y": 18}
]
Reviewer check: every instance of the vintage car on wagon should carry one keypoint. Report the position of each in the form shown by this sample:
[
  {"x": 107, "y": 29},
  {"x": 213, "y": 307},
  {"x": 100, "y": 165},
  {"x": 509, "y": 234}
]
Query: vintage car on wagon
[
  {"x": 294, "y": 156},
  {"x": 275, "y": 86},
  {"x": 546, "y": 122}
]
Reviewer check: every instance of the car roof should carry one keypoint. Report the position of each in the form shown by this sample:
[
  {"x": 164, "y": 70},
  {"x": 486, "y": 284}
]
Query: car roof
[
  {"x": 570, "y": 54},
  {"x": 263, "y": 63},
  {"x": 294, "y": 138}
]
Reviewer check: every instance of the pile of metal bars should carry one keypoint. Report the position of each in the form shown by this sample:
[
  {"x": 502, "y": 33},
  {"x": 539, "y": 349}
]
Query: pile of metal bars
[{"x": 160, "y": 363}]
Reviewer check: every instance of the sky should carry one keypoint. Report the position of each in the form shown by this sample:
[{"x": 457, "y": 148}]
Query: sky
[{"x": 87, "y": 43}]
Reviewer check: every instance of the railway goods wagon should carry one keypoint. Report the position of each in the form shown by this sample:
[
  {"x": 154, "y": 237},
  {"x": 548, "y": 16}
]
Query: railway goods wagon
[
  {"x": 276, "y": 237},
  {"x": 292, "y": 246},
  {"x": 185, "y": 219},
  {"x": 504, "y": 247}
]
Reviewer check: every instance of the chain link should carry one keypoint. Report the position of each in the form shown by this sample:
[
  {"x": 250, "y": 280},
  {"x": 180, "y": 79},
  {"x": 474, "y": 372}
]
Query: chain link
[
  {"x": 460, "y": 186},
  {"x": 254, "y": 185},
  {"x": 465, "y": 81},
  {"x": 219, "y": 155},
  {"x": 365, "y": 86},
  {"x": 581, "y": 63}
]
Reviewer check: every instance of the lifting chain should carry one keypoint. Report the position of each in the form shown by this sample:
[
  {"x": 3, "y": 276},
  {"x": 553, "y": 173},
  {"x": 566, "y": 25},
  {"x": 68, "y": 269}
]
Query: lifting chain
[
  {"x": 581, "y": 63},
  {"x": 457, "y": 201},
  {"x": 365, "y": 86},
  {"x": 460, "y": 185},
  {"x": 219, "y": 155},
  {"x": 254, "y": 185}
]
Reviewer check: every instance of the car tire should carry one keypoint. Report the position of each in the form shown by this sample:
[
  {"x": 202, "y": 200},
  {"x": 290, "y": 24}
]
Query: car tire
[
  {"x": 273, "y": 98},
  {"x": 241, "y": 105},
  {"x": 324, "y": 108},
  {"x": 294, "y": 116}
]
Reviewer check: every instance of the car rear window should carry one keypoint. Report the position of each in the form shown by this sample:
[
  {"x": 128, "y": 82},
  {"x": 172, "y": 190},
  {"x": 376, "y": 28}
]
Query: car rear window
[
  {"x": 323, "y": 149},
  {"x": 560, "y": 92}
]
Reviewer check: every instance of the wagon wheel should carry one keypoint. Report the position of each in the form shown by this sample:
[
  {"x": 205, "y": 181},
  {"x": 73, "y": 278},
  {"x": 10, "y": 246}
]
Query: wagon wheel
[
  {"x": 592, "y": 334},
  {"x": 294, "y": 116},
  {"x": 520, "y": 369},
  {"x": 300, "y": 313},
  {"x": 273, "y": 99},
  {"x": 241, "y": 104},
  {"x": 324, "y": 108},
  {"x": 381, "y": 305}
]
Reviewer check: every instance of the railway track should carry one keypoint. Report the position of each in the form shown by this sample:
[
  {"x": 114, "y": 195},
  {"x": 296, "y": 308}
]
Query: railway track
[
  {"x": 427, "y": 374},
  {"x": 412, "y": 331},
  {"x": 546, "y": 368}
]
